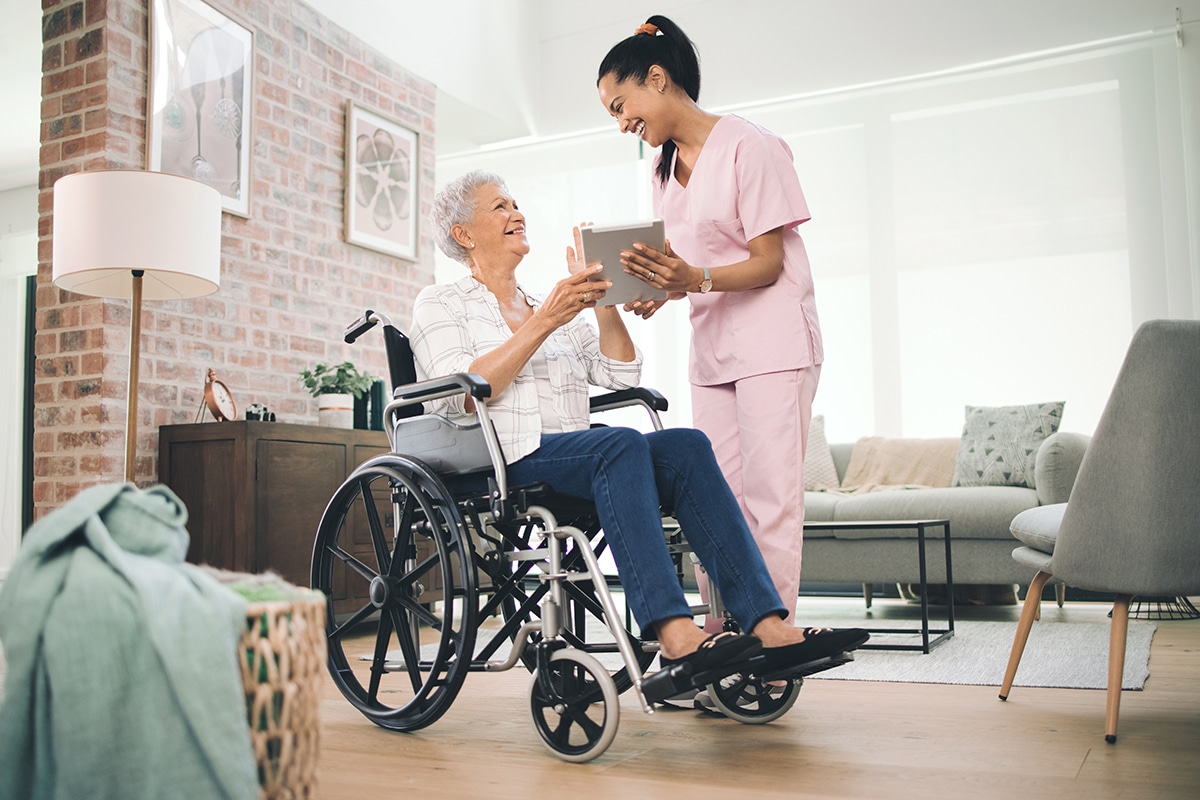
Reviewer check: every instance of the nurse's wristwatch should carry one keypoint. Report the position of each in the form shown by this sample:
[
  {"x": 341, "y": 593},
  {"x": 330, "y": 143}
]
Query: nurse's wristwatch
[{"x": 706, "y": 284}]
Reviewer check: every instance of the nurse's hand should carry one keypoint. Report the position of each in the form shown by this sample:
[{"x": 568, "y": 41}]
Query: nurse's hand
[
  {"x": 661, "y": 270},
  {"x": 646, "y": 308}
]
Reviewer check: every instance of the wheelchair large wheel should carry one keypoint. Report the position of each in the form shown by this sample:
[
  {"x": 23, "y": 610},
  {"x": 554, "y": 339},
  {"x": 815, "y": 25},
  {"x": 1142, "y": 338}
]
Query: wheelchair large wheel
[
  {"x": 752, "y": 701},
  {"x": 575, "y": 707},
  {"x": 392, "y": 558},
  {"x": 583, "y": 621}
]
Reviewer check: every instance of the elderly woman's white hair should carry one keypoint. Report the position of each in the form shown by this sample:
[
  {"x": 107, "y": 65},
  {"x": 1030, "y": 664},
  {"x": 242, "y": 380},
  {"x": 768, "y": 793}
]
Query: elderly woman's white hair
[{"x": 455, "y": 205}]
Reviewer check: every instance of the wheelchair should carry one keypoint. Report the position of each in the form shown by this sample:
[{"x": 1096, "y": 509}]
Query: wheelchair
[{"x": 421, "y": 546}]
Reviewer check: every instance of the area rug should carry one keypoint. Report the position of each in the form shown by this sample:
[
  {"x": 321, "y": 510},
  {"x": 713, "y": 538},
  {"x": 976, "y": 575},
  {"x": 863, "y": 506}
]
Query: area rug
[{"x": 1069, "y": 655}]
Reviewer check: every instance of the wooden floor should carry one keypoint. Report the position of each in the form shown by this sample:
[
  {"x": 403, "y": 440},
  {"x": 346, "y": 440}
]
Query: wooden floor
[{"x": 843, "y": 739}]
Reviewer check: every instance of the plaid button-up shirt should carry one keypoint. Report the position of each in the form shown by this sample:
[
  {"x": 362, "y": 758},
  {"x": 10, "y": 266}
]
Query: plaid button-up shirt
[{"x": 453, "y": 324}]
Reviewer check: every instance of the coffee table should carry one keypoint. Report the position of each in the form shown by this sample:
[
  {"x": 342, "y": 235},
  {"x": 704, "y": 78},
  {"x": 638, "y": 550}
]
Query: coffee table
[{"x": 930, "y": 638}]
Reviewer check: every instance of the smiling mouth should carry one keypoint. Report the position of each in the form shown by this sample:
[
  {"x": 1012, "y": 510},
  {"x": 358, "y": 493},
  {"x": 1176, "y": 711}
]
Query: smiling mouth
[
  {"x": 520, "y": 230},
  {"x": 639, "y": 129}
]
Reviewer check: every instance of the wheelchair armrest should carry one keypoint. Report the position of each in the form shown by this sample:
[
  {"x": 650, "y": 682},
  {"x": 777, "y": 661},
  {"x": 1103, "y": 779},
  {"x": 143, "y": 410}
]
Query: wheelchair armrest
[
  {"x": 434, "y": 388},
  {"x": 637, "y": 396}
]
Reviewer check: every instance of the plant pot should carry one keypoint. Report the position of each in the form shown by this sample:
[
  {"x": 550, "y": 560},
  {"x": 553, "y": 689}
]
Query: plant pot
[{"x": 335, "y": 410}]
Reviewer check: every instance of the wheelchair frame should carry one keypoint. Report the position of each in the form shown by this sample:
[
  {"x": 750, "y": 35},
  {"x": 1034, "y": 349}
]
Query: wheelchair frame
[{"x": 430, "y": 549}]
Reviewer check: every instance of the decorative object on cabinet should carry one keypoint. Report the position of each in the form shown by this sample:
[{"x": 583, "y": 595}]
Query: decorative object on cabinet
[
  {"x": 217, "y": 399},
  {"x": 382, "y": 162},
  {"x": 368, "y": 408},
  {"x": 201, "y": 63},
  {"x": 335, "y": 388},
  {"x": 128, "y": 233}
]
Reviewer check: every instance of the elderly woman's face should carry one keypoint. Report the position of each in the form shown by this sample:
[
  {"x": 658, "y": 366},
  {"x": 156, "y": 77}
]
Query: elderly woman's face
[{"x": 498, "y": 226}]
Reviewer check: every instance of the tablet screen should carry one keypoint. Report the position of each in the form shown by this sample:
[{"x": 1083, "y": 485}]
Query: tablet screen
[{"x": 602, "y": 244}]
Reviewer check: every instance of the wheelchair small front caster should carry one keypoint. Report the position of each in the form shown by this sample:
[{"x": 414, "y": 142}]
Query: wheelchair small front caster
[
  {"x": 751, "y": 700},
  {"x": 575, "y": 707}
]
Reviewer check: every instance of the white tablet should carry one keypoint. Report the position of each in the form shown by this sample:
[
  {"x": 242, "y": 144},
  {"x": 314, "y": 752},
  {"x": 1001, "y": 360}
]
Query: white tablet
[{"x": 603, "y": 244}]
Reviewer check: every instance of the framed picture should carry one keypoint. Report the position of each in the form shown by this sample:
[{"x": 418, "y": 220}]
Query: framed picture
[
  {"x": 382, "y": 162},
  {"x": 200, "y": 98}
]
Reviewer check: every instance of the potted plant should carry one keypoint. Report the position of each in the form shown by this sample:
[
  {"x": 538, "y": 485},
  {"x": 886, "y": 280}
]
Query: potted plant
[{"x": 335, "y": 388}]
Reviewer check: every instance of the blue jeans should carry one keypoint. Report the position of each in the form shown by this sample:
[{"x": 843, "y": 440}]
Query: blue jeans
[{"x": 627, "y": 475}]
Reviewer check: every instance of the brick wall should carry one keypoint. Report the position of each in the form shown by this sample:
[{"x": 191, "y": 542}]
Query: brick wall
[{"x": 289, "y": 281}]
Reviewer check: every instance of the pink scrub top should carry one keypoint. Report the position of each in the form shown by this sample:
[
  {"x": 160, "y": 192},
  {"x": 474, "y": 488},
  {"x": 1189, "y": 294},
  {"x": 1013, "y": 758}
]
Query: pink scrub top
[{"x": 743, "y": 185}]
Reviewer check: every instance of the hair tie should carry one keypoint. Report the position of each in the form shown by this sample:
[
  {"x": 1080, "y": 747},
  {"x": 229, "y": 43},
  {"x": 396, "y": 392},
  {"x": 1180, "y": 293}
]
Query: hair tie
[{"x": 647, "y": 28}]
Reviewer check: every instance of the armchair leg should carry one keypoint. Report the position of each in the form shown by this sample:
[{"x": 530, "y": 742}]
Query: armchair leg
[
  {"x": 1029, "y": 611},
  {"x": 868, "y": 593},
  {"x": 1116, "y": 664},
  {"x": 1060, "y": 593}
]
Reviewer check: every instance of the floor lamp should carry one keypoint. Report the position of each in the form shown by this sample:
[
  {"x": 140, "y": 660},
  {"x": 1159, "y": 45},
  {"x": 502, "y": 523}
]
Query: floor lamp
[{"x": 137, "y": 235}]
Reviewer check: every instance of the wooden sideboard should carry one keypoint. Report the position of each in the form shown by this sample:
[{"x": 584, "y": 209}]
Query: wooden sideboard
[{"x": 255, "y": 491}]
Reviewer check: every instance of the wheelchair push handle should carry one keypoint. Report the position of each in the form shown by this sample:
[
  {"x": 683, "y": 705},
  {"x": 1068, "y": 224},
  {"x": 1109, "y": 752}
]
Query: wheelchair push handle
[{"x": 368, "y": 320}]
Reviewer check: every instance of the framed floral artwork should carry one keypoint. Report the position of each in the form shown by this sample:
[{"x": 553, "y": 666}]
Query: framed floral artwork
[
  {"x": 382, "y": 158},
  {"x": 200, "y": 98}
]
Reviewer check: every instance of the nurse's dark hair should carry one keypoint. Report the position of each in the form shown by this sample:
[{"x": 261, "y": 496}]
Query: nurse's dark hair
[{"x": 672, "y": 50}]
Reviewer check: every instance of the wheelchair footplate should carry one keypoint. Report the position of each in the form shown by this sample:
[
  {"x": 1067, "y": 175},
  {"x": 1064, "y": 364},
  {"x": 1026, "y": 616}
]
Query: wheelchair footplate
[{"x": 746, "y": 692}]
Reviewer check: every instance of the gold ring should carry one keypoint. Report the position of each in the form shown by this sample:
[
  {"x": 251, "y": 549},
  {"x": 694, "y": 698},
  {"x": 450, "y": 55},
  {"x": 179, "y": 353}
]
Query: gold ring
[
  {"x": 586, "y": 297},
  {"x": 650, "y": 276}
]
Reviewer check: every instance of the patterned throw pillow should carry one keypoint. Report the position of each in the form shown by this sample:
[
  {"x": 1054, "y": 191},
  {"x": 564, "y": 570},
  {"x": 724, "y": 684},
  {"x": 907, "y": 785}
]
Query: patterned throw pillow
[
  {"x": 819, "y": 470},
  {"x": 999, "y": 444}
]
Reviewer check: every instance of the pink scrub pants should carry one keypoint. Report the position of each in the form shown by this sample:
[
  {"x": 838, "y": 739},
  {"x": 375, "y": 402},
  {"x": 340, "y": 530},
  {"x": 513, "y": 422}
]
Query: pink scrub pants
[{"x": 759, "y": 429}]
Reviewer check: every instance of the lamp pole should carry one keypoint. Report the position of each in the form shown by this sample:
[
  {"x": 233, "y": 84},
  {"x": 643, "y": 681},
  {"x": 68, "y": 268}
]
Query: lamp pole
[{"x": 131, "y": 411}]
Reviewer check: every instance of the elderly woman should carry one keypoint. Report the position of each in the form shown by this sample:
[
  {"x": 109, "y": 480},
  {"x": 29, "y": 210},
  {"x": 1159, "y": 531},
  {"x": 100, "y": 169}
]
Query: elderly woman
[{"x": 539, "y": 354}]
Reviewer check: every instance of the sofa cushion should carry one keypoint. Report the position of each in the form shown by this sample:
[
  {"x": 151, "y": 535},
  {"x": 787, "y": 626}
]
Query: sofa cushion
[
  {"x": 999, "y": 444},
  {"x": 1038, "y": 527},
  {"x": 819, "y": 469},
  {"x": 1057, "y": 464},
  {"x": 818, "y": 507},
  {"x": 975, "y": 512},
  {"x": 878, "y": 461}
]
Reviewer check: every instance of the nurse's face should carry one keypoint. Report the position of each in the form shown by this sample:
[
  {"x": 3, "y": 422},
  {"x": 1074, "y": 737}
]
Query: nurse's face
[{"x": 638, "y": 108}]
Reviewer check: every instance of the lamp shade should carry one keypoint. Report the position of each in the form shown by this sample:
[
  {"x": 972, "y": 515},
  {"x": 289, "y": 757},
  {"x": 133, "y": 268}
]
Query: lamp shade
[{"x": 110, "y": 222}]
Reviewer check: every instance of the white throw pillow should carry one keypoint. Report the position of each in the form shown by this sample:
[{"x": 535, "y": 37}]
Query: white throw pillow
[{"x": 819, "y": 470}]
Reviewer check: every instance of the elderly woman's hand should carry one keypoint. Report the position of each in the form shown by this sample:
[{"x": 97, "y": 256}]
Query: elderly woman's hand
[
  {"x": 573, "y": 294},
  {"x": 661, "y": 270},
  {"x": 575, "y": 254}
]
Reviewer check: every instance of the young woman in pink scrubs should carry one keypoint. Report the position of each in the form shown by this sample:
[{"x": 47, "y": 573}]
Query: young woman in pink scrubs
[{"x": 728, "y": 193}]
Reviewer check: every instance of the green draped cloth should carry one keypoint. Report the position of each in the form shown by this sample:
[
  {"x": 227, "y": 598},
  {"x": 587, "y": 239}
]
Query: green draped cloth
[{"x": 123, "y": 679}]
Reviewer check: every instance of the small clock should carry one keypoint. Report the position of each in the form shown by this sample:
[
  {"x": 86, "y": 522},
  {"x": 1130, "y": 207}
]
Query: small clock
[{"x": 218, "y": 399}]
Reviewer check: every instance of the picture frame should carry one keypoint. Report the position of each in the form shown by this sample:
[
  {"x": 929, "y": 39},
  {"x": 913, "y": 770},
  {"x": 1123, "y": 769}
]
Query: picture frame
[
  {"x": 201, "y": 99},
  {"x": 383, "y": 160}
]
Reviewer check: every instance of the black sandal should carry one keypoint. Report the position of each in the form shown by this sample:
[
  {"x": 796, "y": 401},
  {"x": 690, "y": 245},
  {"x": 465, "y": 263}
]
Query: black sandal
[
  {"x": 818, "y": 643},
  {"x": 718, "y": 650}
]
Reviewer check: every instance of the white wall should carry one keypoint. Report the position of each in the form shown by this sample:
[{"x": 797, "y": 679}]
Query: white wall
[
  {"x": 988, "y": 235},
  {"x": 18, "y": 259}
]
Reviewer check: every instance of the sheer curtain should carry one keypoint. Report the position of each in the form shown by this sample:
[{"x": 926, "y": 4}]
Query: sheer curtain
[{"x": 987, "y": 237}]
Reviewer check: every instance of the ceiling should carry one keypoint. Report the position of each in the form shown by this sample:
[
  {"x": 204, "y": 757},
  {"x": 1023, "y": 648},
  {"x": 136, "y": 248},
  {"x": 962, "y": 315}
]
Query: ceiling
[{"x": 510, "y": 69}]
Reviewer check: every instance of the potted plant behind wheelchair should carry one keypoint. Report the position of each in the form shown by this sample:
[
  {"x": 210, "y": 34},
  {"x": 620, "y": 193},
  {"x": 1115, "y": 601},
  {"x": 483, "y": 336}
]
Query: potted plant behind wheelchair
[{"x": 336, "y": 388}]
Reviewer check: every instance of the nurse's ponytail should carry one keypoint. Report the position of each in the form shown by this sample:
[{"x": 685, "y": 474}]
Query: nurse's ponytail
[{"x": 659, "y": 41}]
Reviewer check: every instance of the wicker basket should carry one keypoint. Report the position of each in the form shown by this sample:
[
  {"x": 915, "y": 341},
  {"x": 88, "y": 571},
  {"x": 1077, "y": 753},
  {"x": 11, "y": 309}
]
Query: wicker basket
[{"x": 283, "y": 663}]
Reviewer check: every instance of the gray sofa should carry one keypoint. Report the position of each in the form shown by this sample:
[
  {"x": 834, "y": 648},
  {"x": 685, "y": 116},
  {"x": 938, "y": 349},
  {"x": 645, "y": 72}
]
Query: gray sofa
[{"x": 979, "y": 524}]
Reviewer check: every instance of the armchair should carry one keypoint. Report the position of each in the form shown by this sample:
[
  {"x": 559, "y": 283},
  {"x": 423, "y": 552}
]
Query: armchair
[{"x": 1132, "y": 523}]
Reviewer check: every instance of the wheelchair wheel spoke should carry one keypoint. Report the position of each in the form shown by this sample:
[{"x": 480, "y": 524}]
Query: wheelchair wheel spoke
[
  {"x": 336, "y": 631},
  {"x": 375, "y": 527},
  {"x": 354, "y": 563},
  {"x": 383, "y": 639},
  {"x": 409, "y": 650}
]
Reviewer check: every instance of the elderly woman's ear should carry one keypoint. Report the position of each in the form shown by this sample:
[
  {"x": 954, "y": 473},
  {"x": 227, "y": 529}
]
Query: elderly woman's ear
[{"x": 461, "y": 236}]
